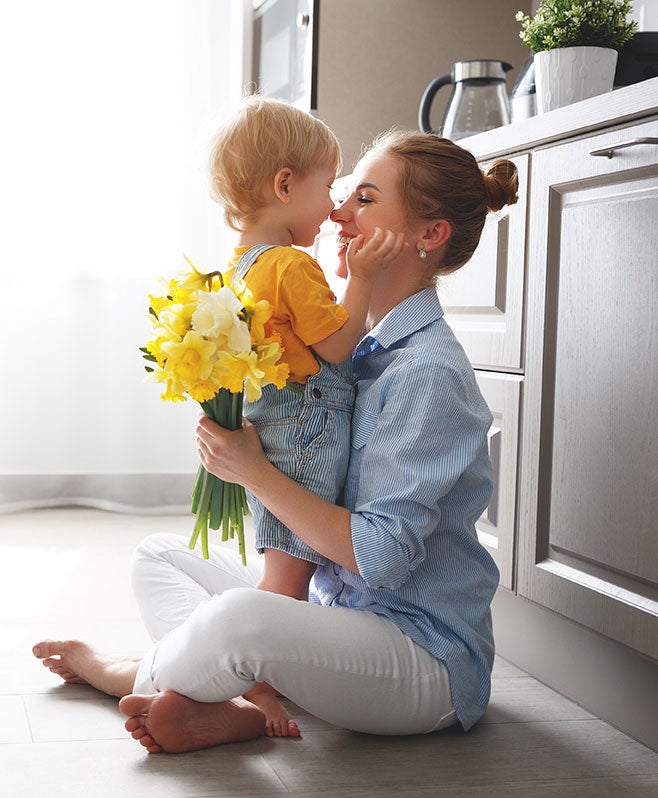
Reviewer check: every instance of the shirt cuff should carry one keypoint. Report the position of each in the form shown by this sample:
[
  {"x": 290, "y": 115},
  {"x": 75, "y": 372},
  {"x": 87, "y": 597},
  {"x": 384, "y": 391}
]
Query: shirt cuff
[{"x": 382, "y": 560}]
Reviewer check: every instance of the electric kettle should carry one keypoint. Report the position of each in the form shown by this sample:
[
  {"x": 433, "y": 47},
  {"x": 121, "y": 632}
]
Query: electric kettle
[{"x": 478, "y": 102}]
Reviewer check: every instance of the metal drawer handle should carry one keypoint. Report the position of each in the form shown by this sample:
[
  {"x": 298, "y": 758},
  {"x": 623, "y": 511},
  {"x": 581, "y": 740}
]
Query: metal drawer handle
[{"x": 608, "y": 152}]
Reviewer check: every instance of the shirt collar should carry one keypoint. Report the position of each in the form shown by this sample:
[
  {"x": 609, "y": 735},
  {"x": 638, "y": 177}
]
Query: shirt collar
[{"x": 409, "y": 316}]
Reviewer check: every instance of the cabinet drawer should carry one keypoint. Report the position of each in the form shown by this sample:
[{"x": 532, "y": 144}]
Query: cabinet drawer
[
  {"x": 483, "y": 301},
  {"x": 495, "y": 528}
]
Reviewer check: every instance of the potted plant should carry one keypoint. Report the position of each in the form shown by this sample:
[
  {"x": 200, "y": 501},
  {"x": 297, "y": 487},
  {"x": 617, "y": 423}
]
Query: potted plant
[{"x": 575, "y": 44}]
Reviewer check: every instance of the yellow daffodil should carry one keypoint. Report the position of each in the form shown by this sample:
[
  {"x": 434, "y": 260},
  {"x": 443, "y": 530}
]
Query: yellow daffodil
[
  {"x": 210, "y": 342},
  {"x": 261, "y": 313},
  {"x": 217, "y": 318},
  {"x": 189, "y": 360}
]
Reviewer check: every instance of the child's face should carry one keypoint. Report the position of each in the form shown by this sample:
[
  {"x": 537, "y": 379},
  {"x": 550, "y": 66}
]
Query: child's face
[{"x": 312, "y": 205}]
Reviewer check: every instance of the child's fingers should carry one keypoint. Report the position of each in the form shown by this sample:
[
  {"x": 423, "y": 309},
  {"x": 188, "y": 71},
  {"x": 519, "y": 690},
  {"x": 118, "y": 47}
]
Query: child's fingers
[
  {"x": 355, "y": 244},
  {"x": 390, "y": 245},
  {"x": 383, "y": 245}
]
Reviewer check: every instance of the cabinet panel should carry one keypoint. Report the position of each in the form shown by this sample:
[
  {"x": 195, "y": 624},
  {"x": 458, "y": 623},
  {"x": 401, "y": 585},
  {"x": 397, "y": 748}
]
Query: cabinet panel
[
  {"x": 589, "y": 485},
  {"x": 495, "y": 528},
  {"x": 483, "y": 301}
]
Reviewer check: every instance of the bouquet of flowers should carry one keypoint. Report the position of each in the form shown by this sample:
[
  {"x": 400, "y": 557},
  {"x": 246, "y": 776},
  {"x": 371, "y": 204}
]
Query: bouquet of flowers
[{"x": 211, "y": 342}]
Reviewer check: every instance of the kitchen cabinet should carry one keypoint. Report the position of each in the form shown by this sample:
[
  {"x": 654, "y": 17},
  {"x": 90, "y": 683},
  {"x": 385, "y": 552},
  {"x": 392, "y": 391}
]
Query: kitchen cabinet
[
  {"x": 582, "y": 614},
  {"x": 588, "y": 500},
  {"x": 558, "y": 312},
  {"x": 483, "y": 303},
  {"x": 495, "y": 528}
]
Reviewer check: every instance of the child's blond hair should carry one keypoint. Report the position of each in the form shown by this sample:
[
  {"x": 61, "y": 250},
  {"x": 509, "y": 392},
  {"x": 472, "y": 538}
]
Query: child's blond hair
[{"x": 263, "y": 137}]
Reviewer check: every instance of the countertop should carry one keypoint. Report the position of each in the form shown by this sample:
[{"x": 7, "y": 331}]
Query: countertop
[{"x": 618, "y": 107}]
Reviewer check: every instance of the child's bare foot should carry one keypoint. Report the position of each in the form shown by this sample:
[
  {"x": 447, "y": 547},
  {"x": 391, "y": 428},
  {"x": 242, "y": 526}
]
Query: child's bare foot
[
  {"x": 172, "y": 723},
  {"x": 279, "y": 722},
  {"x": 77, "y": 663}
]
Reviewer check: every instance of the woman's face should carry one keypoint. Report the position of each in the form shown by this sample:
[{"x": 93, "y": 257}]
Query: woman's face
[{"x": 374, "y": 201}]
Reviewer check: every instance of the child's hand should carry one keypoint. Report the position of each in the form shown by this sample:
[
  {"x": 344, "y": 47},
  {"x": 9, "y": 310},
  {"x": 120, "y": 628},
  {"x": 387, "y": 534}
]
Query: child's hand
[{"x": 368, "y": 260}]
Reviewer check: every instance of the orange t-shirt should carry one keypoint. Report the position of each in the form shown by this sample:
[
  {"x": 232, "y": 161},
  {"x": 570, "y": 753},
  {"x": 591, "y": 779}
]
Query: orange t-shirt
[{"x": 305, "y": 309}]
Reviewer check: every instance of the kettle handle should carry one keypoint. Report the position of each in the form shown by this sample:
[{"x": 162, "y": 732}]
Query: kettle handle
[{"x": 426, "y": 102}]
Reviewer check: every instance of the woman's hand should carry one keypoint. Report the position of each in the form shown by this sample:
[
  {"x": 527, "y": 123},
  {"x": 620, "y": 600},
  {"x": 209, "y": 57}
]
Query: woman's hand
[
  {"x": 230, "y": 455},
  {"x": 238, "y": 457}
]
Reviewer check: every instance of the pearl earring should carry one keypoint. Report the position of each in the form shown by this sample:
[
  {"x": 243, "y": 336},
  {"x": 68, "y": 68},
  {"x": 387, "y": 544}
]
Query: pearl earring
[{"x": 421, "y": 252}]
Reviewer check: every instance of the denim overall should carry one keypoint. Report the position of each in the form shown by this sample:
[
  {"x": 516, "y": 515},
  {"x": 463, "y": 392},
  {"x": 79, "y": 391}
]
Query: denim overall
[{"x": 305, "y": 433}]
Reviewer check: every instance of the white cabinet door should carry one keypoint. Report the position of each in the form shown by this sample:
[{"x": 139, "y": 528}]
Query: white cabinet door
[
  {"x": 483, "y": 301},
  {"x": 588, "y": 516},
  {"x": 495, "y": 528}
]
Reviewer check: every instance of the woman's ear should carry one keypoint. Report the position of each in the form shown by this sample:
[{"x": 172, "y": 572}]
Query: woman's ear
[
  {"x": 434, "y": 235},
  {"x": 282, "y": 183}
]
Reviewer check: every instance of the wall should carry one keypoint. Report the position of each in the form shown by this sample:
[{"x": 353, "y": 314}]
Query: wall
[{"x": 375, "y": 58}]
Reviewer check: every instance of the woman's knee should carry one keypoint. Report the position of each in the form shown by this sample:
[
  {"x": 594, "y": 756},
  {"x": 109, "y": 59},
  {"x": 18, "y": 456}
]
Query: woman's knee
[
  {"x": 152, "y": 548},
  {"x": 243, "y": 619},
  {"x": 154, "y": 545}
]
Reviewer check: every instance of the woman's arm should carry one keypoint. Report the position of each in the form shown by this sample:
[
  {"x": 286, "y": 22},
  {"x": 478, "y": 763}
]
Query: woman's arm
[{"x": 238, "y": 457}]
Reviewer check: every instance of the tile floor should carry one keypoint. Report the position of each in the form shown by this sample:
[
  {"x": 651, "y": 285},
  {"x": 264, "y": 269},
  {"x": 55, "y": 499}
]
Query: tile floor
[{"x": 64, "y": 572}]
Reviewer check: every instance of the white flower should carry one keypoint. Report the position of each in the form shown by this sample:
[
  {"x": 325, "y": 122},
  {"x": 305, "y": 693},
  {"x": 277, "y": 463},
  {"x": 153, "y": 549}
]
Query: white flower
[{"x": 216, "y": 317}]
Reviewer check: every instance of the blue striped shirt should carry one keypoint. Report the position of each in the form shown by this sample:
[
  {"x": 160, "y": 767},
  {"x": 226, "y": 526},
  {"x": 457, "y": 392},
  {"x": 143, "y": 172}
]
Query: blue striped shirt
[{"x": 419, "y": 478}]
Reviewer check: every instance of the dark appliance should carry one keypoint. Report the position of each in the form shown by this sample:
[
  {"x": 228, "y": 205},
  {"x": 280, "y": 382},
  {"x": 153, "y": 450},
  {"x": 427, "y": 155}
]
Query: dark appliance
[{"x": 638, "y": 59}]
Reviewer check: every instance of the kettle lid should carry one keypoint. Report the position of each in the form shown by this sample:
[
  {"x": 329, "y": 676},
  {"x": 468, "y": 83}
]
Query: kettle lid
[{"x": 486, "y": 68}]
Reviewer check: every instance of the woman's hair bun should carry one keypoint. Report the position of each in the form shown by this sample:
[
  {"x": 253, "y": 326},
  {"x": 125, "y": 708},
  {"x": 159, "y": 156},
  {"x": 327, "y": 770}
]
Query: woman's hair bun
[{"x": 501, "y": 182}]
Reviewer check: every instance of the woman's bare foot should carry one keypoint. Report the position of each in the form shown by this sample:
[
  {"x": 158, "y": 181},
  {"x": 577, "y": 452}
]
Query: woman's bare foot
[
  {"x": 77, "y": 663},
  {"x": 173, "y": 723},
  {"x": 279, "y": 722}
]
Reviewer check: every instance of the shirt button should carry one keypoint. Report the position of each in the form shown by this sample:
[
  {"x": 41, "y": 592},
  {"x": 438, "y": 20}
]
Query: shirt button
[{"x": 316, "y": 393}]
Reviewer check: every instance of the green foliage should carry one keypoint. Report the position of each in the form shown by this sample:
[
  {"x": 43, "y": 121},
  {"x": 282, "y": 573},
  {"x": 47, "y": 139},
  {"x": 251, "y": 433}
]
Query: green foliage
[{"x": 574, "y": 23}]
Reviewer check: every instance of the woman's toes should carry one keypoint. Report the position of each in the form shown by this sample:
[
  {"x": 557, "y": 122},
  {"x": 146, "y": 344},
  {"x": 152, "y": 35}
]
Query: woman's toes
[
  {"x": 139, "y": 733},
  {"x": 132, "y": 724},
  {"x": 135, "y": 705}
]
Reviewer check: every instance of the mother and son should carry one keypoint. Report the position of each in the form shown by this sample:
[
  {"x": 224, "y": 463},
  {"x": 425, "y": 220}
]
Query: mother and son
[{"x": 370, "y": 607}]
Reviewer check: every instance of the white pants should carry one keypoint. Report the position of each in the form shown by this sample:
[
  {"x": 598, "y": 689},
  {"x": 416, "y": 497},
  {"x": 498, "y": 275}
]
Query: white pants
[{"x": 216, "y": 636}]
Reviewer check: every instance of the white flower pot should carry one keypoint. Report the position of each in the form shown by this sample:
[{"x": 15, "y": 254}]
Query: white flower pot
[{"x": 569, "y": 74}]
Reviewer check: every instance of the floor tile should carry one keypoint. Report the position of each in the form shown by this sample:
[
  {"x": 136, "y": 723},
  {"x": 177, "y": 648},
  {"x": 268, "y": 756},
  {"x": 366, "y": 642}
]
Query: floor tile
[
  {"x": 504, "y": 669},
  {"x": 14, "y": 727},
  {"x": 503, "y": 752},
  {"x": 624, "y": 786},
  {"x": 523, "y": 699},
  {"x": 115, "y": 768},
  {"x": 74, "y": 712}
]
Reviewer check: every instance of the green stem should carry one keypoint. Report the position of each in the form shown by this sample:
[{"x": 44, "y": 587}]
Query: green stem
[
  {"x": 201, "y": 524},
  {"x": 215, "y": 502}
]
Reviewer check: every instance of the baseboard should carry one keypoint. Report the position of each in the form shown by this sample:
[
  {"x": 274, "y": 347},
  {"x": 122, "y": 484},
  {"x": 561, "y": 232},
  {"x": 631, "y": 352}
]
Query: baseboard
[
  {"x": 126, "y": 493},
  {"x": 608, "y": 679}
]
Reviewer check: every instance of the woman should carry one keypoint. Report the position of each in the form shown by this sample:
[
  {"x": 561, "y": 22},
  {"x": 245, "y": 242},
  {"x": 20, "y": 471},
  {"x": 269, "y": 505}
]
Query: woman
[{"x": 396, "y": 637}]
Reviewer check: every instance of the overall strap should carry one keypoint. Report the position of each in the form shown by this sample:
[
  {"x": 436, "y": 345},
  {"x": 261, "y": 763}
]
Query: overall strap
[{"x": 248, "y": 259}]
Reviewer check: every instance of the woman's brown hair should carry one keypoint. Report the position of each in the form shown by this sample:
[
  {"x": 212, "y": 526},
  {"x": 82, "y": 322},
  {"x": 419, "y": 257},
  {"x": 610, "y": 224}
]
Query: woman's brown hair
[{"x": 441, "y": 180}]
